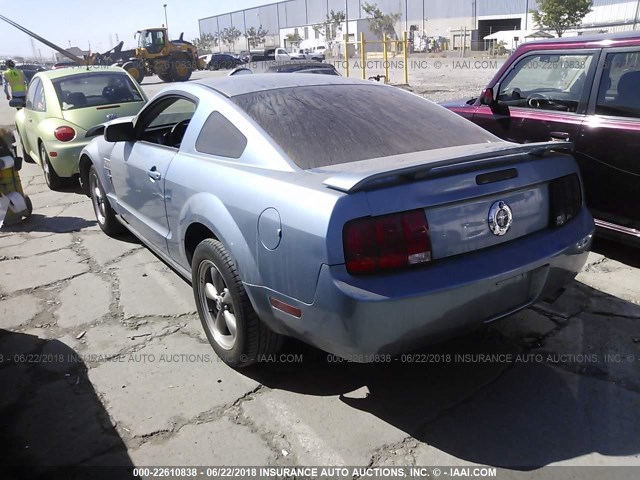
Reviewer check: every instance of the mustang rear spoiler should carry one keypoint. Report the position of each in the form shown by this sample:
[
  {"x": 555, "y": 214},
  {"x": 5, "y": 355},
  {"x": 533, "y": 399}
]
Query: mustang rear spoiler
[{"x": 374, "y": 173}]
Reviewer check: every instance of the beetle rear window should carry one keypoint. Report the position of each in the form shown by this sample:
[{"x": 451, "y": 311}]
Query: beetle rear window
[
  {"x": 95, "y": 89},
  {"x": 326, "y": 125}
]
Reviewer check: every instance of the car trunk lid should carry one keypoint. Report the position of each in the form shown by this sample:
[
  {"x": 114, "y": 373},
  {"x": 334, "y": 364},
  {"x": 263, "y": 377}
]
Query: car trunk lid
[{"x": 473, "y": 197}]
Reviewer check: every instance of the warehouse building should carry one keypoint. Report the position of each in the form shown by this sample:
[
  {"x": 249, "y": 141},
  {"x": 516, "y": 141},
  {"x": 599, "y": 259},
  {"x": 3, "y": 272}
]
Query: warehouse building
[{"x": 458, "y": 23}]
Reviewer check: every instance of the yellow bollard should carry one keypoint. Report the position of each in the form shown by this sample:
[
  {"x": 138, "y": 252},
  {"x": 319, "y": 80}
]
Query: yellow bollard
[
  {"x": 385, "y": 58},
  {"x": 346, "y": 55},
  {"x": 405, "y": 42},
  {"x": 363, "y": 56}
]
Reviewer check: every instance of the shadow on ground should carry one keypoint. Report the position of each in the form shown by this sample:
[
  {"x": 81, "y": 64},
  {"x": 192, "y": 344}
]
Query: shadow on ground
[
  {"x": 521, "y": 414},
  {"x": 43, "y": 223},
  {"x": 50, "y": 413},
  {"x": 623, "y": 253}
]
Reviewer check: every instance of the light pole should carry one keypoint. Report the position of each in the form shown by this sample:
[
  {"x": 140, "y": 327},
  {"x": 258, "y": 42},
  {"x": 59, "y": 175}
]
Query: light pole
[
  {"x": 346, "y": 28},
  {"x": 166, "y": 22}
]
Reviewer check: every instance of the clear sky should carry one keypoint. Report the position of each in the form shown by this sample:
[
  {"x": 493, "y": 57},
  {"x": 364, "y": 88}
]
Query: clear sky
[{"x": 99, "y": 21}]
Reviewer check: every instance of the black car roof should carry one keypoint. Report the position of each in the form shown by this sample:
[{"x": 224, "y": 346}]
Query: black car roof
[{"x": 294, "y": 67}]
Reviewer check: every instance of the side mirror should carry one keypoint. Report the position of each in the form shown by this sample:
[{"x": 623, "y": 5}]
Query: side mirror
[
  {"x": 498, "y": 108},
  {"x": 487, "y": 97},
  {"x": 120, "y": 132}
]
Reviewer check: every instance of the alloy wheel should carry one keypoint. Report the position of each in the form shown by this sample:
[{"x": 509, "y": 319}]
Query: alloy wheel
[
  {"x": 97, "y": 198},
  {"x": 217, "y": 305}
]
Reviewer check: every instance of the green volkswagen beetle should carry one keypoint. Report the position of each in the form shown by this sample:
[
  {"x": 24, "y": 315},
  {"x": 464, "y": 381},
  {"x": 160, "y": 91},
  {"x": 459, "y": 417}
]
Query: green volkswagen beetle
[{"x": 62, "y": 105}]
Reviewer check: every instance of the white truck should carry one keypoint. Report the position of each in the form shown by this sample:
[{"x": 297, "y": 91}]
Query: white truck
[{"x": 283, "y": 55}]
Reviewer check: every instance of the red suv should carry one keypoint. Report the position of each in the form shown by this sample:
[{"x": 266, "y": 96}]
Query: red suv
[{"x": 581, "y": 89}]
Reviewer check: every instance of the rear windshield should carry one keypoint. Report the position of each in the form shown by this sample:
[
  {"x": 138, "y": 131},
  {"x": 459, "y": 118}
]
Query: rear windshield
[
  {"x": 94, "y": 89},
  {"x": 326, "y": 125}
]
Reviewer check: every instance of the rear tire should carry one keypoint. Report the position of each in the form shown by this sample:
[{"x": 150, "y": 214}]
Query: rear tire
[
  {"x": 232, "y": 326},
  {"x": 54, "y": 182},
  {"x": 105, "y": 215}
]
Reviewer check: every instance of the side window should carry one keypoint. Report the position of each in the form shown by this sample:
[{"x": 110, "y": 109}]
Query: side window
[
  {"x": 166, "y": 122},
  {"x": 39, "y": 102},
  {"x": 619, "y": 91},
  {"x": 220, "y": 137},
  {"x": 146, "y": 40},
  {"x": 547, "y": 82},
  {"x": 31, "y": 93}
]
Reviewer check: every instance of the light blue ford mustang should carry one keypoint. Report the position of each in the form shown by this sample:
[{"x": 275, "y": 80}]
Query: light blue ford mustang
[{"x": 355, "y": 216}]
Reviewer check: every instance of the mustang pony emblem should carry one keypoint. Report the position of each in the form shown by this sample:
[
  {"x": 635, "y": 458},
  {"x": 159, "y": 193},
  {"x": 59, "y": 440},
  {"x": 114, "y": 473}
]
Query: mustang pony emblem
[{"x": 500, "y": 218}]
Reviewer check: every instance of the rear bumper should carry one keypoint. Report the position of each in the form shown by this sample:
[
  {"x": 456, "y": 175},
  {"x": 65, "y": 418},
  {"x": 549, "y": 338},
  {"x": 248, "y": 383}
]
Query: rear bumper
[
  {"x": 400, "y": 312},
  {"x": 65, "y": 163}
]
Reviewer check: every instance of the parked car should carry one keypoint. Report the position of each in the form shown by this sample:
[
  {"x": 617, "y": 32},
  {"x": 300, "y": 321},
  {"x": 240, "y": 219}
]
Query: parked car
[
  {"x": 65, "y": 65},
  {"x": 580, "y": 89},
  {"x": 319, "y": 49},
  {"x": 61, "y": 106},
  {"x": 242, "y": 70},
  {"x": 263, "y": 55},
  {"x": 308, "y": 54},
  {"x": 303, "y": 67},
  {"x": 223, "y": 61},
  {"x": 283, "y": 55},
  {"x": 372, "y": 243},
  {"x": 233, "y": 54},
  {"x": 205, "y": 59},
  {"x": 30, "y": 69}
]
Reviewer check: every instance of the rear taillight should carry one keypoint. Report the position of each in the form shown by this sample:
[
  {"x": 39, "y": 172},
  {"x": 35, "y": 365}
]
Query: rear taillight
[
  {"x": 565, "y": 199},
  {"x": 389, "y": 242},
  {"x": 64, "y": 134}
]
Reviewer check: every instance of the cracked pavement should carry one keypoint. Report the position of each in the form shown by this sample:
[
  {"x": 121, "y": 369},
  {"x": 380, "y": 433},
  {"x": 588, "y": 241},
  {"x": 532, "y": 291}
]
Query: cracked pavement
[{"x": 103, "y": 362}]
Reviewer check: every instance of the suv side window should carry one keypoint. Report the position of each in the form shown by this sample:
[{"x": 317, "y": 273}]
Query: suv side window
[
  {"x": 619, "y": 91},
  {"x": 547, "y": 81}
]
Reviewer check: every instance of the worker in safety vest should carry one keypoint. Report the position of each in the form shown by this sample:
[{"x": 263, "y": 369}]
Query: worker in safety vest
[{"x": 14, "y": 78}]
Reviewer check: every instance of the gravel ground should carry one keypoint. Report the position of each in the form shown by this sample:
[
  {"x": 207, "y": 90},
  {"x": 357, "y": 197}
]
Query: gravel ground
[{"x": 438, "y": 79}]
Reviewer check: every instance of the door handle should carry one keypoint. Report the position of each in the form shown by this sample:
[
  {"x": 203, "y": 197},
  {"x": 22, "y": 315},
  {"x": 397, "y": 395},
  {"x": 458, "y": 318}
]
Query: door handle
[
  {"x": 560, "y": 136},
  {"x": 154, "y": 174}
]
